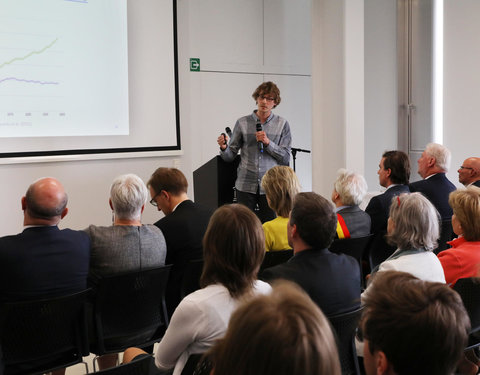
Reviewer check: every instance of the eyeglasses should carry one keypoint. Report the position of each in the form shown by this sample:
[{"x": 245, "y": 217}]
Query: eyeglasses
[
  {"x": 153, "y": 202},
  {"x": 267, "y": 98},
  {"x": 462, "y": 167}
]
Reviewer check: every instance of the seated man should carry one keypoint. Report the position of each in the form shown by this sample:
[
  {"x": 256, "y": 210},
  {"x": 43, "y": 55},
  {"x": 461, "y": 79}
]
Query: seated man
[
  {"x": 432, "y": 166},
  {"x": 43, "y": 261},
  {"x": 393, "y": 174},
  {"x": 349, "y": 190},
  {"x": 183, "y": 226},
  {"x": 410, "y": 326},
  {"x": 331, "y": 280},
  {"x": 469, "y": 172}
]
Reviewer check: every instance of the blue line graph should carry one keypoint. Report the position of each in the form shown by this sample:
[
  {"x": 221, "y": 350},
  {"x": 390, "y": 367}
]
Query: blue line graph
[
  {"x": 78, "y": 1},
  {"x": 29, "y": 81}
]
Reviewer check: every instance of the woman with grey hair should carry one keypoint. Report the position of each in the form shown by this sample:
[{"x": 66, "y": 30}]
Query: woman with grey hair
[
  {"x": 127, "y": 245},
  {"x": 349, "y": 189},
  {"x": 413, "y": 226}
]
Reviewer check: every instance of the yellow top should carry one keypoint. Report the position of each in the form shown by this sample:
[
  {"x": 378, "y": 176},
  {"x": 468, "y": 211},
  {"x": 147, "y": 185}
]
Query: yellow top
[{"x": 276, "y": 234}]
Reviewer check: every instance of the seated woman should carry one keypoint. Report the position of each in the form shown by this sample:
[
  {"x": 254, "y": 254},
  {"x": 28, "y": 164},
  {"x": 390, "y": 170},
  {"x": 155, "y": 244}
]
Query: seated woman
[
  {"x": 283, "y": 333},
  {"x": 349, "y": 189},
  {"x": 127, "y": 245},
  {"x": 281, "y": 185},
  {"x": 233, "y": 251},
  {"x": 463, "y": 259},
  {"x": 413, "y": 227}
]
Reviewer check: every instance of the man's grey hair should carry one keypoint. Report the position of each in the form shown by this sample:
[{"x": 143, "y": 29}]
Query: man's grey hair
[
  {"x": 351, "y": 187},
  {"x": 416, "y": 222},
  {"x": 128, "y": 194},
  {"x": 442, "y": 155}
]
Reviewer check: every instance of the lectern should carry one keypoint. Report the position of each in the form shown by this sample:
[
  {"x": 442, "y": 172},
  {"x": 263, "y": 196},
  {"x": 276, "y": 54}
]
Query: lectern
[{"x": 214, "y": 182}]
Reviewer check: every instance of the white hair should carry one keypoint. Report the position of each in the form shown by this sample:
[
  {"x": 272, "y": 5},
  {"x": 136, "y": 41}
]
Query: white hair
[
  {"x": 441, "y": 154},
  {"x": 350, "y": 186},
  {"x": 128, "y": 194},
  {"x": 416, "y": 222}
]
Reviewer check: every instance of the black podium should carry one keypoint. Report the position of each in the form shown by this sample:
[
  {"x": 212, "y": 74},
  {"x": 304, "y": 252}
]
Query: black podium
[{"x": 214, "y": 182}]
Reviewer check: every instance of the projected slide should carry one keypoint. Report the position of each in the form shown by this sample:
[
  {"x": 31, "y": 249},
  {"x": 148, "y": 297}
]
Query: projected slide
[{"x": 63, "y": 68}]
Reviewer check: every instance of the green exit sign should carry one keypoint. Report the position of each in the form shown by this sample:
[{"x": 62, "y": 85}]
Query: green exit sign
[{"x": 194, "y": 65}]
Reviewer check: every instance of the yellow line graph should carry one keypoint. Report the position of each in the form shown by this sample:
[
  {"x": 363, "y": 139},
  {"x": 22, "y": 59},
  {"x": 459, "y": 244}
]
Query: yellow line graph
[{"x": 28, "y": 55}]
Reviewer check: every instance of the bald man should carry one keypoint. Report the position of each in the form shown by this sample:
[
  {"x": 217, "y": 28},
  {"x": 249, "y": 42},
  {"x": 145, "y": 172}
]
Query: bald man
[
  {"x": 469, "y": 172},
  {"x": 43, "y": 261}
]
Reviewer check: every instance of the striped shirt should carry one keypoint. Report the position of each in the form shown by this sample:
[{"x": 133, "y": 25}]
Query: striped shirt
[{"x": 253, "y": 163}]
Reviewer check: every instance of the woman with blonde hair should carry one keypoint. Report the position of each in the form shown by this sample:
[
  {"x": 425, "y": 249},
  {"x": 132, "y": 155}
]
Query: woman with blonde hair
[
  {"x": 463, "y": 259},
  {"x": 281, "y": 185},
  {"x": 283, "y": 333}
]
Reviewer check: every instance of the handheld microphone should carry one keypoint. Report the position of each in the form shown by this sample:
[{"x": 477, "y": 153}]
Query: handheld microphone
[{"x": 259, "y": 129}]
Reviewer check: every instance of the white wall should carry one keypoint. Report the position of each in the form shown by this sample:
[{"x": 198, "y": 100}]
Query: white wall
[
  {"x": 380, "y": 85},
  {"x": 461, "y": 81},
  {"x": 240, "y": 45}
]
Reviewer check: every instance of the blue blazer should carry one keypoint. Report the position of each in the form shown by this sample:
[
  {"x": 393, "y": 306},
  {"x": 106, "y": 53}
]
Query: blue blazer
[
  {"x": 43, "y": 262},
  {"x": 331, "y": 280},
  {"x": 437, "y": 189},
  {"x": 379, "y": 207}
]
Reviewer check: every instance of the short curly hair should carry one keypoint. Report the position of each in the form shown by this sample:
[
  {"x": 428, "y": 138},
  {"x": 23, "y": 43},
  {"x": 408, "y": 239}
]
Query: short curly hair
[{"x": 268, "y": 88}]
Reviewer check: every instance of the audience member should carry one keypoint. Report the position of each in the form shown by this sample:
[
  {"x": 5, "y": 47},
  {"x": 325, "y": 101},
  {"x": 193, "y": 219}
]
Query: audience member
[
  {"x": 413, "y": 228},
  {"x": 281, "y": 185},
  {"x": 393, "y": 174},
  {"x": 432, "y": 166},
  {"x": 43, "y": 261},
  {"x": 127, "y": 245},
  {"x": 463, "y": 259},
  {"x": 283, "y": 333},
  {"x": 331, "y": 280},
  {"x": 348, "y": 192},
  {"x": 233, "y": 251},
  {"x": 469, "y": 172},
  {"x": 412, "y": 327},
  {"x": 183, "y": 226}
]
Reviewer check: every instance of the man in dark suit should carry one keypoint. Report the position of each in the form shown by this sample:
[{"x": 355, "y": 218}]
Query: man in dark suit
[
  {"x": 331, "y": 280},
  {"x": 348, "y": 192},
  {"x": 469, "y": 172},
  {"x": 183, "y": 226},
  {"x": 393, "y": 174},
  {"x": 43, "y": 261},
  {"x": 432, "y": 166}
]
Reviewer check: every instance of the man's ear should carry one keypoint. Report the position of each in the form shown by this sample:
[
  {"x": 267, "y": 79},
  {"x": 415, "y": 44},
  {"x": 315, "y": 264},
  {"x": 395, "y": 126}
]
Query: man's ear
[
  {"x": 389, "y": 172},
  {"x": 431, "y": 161},
  {"x": 24, "y": 203},
  {"x": 64, "y": 213},
  {"x": 383, "y": 366},
  {"x": 110, "y": 203}
]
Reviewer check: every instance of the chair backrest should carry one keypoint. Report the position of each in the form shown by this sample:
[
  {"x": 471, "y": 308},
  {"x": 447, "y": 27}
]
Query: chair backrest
[
  {"x": 136, "y": 367},
  {"x": 446, "y": 234},
  {"x": 272, "y": 258},
  {"x": 344, "y": 326},
  {"x": 198, "y": 364},
  {"x": 379, "y": 250},
  {"x": 42, "y": 335},
  {"x": 130, "y": 310},
  {"x": 191, "y": 277},
  {"x": 469, "y": 290}
]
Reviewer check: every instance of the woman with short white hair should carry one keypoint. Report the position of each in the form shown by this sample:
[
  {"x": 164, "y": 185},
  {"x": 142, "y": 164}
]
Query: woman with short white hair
[
  {"x": 127, "y": 245},
  {"x": 349, "y": 189},
  {"x": 413, "y": 226}
]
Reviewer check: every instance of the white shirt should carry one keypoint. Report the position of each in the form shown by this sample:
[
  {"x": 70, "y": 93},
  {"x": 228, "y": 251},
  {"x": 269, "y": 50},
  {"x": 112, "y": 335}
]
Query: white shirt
[{"x": 200, "y": 319}]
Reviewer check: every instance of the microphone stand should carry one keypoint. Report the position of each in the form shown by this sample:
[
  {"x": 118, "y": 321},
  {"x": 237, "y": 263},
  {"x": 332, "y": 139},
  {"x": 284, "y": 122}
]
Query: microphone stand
[{"x": 294, "y": 154}]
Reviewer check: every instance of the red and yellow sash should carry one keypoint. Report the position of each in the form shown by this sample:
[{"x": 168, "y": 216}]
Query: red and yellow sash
[{"x": 342, "y": 230}]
